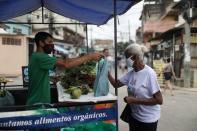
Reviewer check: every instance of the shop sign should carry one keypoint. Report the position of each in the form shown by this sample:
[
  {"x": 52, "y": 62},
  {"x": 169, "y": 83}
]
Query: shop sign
[{"x": 63, "y": 117}]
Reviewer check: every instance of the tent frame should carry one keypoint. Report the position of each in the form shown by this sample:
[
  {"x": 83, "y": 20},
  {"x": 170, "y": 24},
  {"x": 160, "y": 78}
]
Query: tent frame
[
  {"x": 81, "y": 23},
  {"x": 115, "y": 38}
]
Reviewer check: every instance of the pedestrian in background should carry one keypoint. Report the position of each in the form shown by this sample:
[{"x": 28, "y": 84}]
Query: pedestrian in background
[
  {"x": 168, "y": 72},
  {"x": 106, "y": 52},
  {"x": 109, "y": 58},
  {"x": 144, "y": 95}
]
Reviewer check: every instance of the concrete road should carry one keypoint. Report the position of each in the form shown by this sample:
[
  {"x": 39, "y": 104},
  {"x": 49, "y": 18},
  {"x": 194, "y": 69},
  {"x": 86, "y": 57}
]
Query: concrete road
[{"x": 179, "y": 112}]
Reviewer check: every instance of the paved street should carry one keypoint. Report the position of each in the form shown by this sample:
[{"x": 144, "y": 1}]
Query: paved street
[{"x": 179, "y": 112}]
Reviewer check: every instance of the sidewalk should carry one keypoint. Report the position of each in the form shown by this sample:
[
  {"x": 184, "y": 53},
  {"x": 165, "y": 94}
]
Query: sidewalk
[
  {"x": 181, "y": 88},
  {"x": 186, "y": 89}
]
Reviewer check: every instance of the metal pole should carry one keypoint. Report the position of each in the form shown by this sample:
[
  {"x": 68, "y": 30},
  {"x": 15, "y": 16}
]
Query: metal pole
[
  {"x": 87, "y": 37},
  {"x": 115, "y": 45},
  {"x": 116, "y": 73},
  {"x": 42, "y": 11}
]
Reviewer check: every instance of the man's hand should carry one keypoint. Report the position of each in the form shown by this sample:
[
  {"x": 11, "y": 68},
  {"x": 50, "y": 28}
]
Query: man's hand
[{"x": 96, "y": 56}]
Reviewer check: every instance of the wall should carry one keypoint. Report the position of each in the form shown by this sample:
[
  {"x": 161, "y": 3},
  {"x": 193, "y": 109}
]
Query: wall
[{"x": 13, "y": 57}]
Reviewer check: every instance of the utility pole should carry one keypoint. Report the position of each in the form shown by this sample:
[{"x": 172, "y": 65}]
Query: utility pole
[
  {"x": 91, "y": 41},
  {"x": 51, "y": 21},
  {"x": 86, "y": 28},
  {"x": 129, "y": 31},
  {"x": 187, "y": 56},
  {"x": 76, "y": 34},
  {"x": 121, "y": 36}
]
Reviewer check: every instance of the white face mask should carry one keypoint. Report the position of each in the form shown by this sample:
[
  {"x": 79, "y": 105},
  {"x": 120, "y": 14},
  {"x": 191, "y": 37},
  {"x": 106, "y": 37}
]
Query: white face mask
[{"x": 130, "y": 62}]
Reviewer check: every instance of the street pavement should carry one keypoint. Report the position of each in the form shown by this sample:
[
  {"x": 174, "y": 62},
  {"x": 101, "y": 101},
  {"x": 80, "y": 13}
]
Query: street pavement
[{"x": 179, "y": 112}]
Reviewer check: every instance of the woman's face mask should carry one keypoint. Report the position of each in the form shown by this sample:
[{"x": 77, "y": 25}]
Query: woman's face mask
[{"x": 130, "y": 62}]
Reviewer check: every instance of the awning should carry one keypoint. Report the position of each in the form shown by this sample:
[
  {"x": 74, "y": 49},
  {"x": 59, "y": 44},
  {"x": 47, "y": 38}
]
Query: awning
[
  {"x": 159, "y": 26},
  {"x": 89, "y": 11}
]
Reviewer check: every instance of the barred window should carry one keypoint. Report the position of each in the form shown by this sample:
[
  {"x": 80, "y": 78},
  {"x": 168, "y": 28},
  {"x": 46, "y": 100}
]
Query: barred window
[
  {"x": 11, "y": 41},
  {"x": 17, "y": 31}
]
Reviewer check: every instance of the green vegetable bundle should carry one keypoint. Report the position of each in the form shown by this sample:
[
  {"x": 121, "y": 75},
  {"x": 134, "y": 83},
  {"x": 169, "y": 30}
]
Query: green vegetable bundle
[{"x": 80, "y": 75}]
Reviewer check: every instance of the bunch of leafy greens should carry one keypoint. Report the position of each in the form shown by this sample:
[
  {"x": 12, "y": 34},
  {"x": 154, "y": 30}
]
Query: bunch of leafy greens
[{"x": 83, "y": 74}]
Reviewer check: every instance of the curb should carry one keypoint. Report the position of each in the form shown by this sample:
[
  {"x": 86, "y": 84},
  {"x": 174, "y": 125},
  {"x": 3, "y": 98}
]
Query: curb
[
  {"x": 181, "y": 88},
  {"x": 186, "y": 89}
]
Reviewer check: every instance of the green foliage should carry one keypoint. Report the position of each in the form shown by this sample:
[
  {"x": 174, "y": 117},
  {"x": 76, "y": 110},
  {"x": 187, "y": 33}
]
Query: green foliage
[
  {"x": 121, "y": 46},
  {"x": 2, "y": 93},
  {"x": 79, "y": 75},
  {"x": 3, "y": 79}
]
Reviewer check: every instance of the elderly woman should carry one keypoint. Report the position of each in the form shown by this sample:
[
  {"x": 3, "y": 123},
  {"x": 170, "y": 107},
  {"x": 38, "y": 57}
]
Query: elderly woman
[{"x": 144, "y": 95}]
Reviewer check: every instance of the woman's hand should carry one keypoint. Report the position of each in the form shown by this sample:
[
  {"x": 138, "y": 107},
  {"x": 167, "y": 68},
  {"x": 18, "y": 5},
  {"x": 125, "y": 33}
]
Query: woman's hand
[
  {"x": 156, "y": 99},
  {"x": 130, "y": 99},
  {"x": 113, "y": 82}
]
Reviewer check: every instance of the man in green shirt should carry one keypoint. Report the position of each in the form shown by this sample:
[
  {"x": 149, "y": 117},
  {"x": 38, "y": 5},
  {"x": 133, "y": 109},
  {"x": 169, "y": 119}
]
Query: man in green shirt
[{"x": 40, "y": 64}]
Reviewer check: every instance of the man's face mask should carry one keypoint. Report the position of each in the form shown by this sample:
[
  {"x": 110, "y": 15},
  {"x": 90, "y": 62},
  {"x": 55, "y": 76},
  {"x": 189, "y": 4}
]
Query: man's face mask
[{"x": 48, "y": 48}]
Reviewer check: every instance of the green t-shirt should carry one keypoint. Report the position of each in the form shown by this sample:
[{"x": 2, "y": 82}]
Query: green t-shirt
[{"x": 39, "y": 86}]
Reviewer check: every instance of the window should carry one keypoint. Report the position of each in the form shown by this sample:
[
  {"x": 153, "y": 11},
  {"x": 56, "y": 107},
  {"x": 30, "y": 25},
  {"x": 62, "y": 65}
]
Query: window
[
  {"x": 193, "y": 50},
  {"x": 11, "y": 41},
  {"x": 16, "y": 30},
  {"x": 193, "y": 38}
]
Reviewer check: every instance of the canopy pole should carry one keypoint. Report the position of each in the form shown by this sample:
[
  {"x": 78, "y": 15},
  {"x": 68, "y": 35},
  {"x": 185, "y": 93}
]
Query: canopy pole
[
  {"x": 87, "y": 37},
  {"x": 42, "y": 4},
  {"x": 116, "y": 73},
  {"x": 115, "y": 45}
]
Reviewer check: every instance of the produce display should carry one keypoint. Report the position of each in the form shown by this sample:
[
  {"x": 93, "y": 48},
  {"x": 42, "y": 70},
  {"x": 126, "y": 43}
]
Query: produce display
[
  {"x": 2, "y": 93},
  {"x": 3, "y": 82},
  {"x": 79, "y": 80},
  {"x": 3, "y": 79}
]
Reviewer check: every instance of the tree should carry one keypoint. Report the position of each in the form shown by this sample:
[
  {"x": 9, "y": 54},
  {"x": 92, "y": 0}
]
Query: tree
[{"x": 121, "y": 46}]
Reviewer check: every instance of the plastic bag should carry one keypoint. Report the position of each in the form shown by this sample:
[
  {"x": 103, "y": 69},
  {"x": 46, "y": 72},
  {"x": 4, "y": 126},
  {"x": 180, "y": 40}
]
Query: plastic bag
[
  {"x": 101, "y": 84},
  {"x": 126, "y": 114}
]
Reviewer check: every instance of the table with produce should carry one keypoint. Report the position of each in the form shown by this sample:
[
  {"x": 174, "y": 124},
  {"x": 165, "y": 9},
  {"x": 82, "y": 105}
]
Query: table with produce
[
  {"x": 80, "y": 84},
  {"x": 88, "y": 84},
  {"x": 84, "y": 103}
]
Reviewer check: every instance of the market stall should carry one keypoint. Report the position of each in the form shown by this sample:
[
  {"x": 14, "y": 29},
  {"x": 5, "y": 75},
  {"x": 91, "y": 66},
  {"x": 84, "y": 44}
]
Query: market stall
[{"x": 87, "y": 112}]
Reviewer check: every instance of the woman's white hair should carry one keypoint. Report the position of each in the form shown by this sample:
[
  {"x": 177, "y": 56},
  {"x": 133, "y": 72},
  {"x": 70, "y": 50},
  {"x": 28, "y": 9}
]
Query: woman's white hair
[{"x": 136, "y": 49}]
